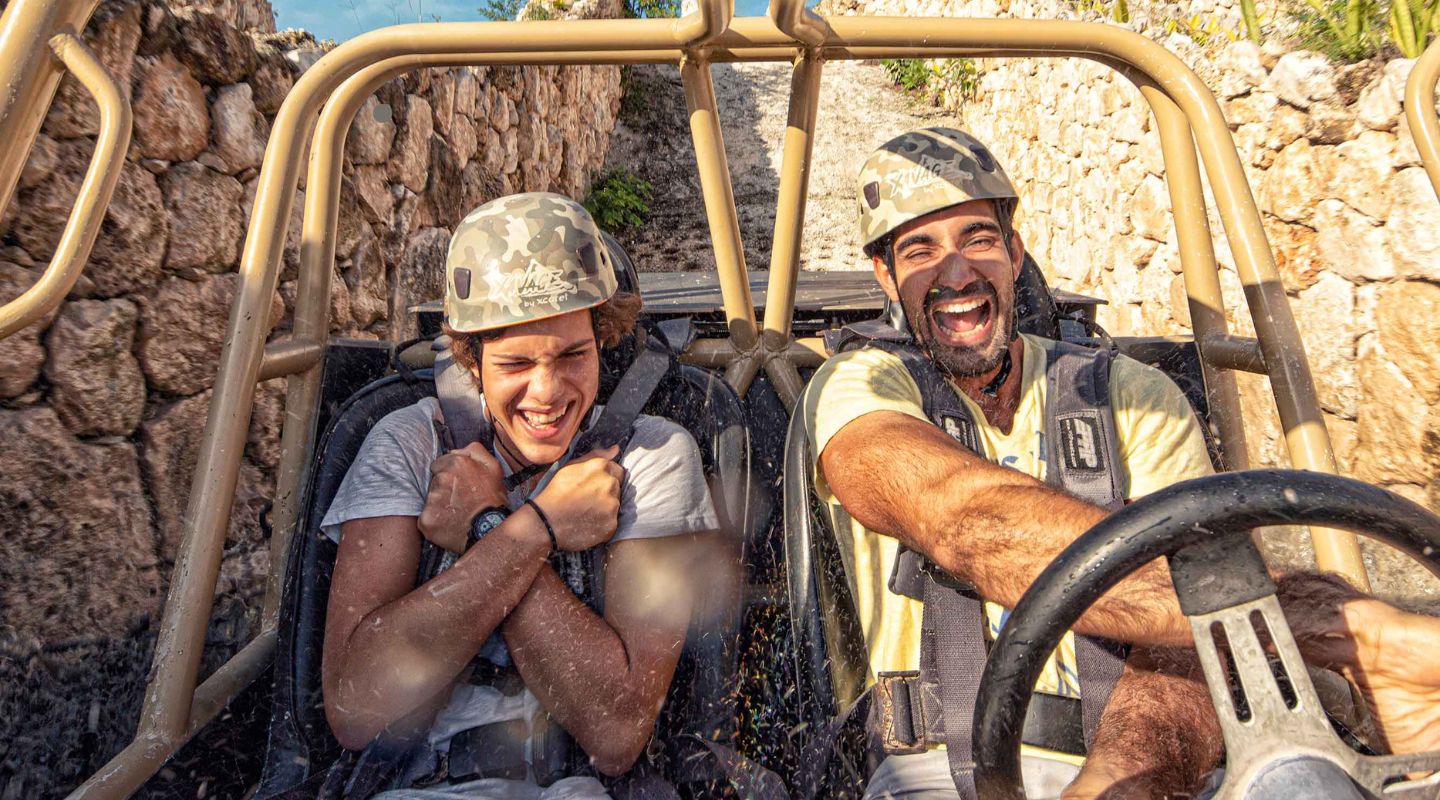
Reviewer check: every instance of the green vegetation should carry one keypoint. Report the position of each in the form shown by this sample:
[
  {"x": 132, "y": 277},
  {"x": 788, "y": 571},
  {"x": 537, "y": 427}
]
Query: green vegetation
[
  {"x": 1412, "y": 23},
  {"x": 1346, "y": 30},
  {"x": 511, "y": 10},
  {"x": 1201, "y": 29},
  {"x": 935, "y": 75},
  {"x": 650, "y": 9},
  {"x": 619, "y": 200},
  {"x": 1116, "y": 10},
  {"x": 1252, "y": 20}
]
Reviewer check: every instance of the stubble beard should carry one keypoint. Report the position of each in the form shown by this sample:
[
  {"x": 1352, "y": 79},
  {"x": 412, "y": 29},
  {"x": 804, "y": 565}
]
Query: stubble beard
[{"x": 963, "y": 362}]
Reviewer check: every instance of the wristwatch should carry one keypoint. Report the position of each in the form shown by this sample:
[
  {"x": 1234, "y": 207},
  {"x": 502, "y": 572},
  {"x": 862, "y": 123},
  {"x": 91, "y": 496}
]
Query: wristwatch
[{"x": 486, "y": 521}]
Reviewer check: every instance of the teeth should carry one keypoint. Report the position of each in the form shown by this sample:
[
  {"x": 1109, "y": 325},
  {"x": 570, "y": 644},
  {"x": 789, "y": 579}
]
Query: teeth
[
  {"x": 960, "y": 306},
  {"x": 541, "y": 420}
]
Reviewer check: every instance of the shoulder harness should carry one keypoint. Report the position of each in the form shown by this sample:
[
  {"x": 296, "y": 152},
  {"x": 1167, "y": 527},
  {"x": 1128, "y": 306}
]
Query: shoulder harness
[{"x": 914, "y": 710}]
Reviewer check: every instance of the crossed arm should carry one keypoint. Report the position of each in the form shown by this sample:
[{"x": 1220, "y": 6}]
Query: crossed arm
[{"x": 392, "y": 652}]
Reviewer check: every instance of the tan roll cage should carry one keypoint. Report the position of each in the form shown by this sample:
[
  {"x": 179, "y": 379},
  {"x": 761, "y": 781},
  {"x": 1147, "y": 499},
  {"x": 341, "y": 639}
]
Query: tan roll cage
[
  {"x": 1420, "y": 110},
  {"x": 324, "y": 101}
]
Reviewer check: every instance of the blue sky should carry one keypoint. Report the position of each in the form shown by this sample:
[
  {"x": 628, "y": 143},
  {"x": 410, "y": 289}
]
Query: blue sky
[{"x": 342, "y": 19}]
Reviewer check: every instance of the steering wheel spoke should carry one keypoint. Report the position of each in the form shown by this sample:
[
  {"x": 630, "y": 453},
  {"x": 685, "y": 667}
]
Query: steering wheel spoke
[
  {"x": 1261, "y": 690},
  {"x": 1276, "y": 732}
]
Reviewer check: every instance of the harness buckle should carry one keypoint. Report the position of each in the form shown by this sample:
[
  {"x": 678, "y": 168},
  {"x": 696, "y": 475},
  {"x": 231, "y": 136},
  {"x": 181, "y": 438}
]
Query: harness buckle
[{"x": 901, "y": 720}]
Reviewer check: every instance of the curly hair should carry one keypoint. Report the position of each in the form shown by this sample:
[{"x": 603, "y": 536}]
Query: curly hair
[{"x": 612, "y": 321}]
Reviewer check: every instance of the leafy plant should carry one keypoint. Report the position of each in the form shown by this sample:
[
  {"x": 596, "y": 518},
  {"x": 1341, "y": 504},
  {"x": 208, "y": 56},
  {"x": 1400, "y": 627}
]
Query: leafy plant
[
  {"x": 650, "y": 9},
  {"x": 1412, "y": 23},
  {"x": 1117, "y": 10},
  {"x": 1200, "y": 29},
  {"x": 908, "y": 73},
  {"x": 501, "y": 10},
  {"x": 1348, "y": 30},
  {"x": 1252, "y": 20},
  {"x": 939, "y": 75},
  {"x": 619, "y": 200}
]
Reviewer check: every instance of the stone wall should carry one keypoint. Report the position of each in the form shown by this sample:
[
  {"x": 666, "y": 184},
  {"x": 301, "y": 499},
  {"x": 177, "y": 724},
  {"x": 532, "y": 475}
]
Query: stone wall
[
  {"x": 102, "y": 404},
  {"x": 1353, "y": 220}
]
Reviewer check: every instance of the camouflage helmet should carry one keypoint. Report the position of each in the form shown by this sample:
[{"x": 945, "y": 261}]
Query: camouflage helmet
[
  {"x": 522, "y": 258},
  {"x": 923, "y": 171}
]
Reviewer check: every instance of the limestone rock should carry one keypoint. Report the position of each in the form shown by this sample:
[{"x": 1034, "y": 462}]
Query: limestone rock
[
  {"x": 366, "y": 280},
  {"x": 182, "y": 328},
  {"x": 1300, "y": 174},
  {"x": 44, "y": 157},
  {"x": 1389, "y": 426},
  {"x": 171, "y": 122},
  {"x": 419, "y": 278},
  {"x": 1380, "y": 101},
  {"x": 304, "y": 57},
  {"x": 112, "y": 35},
  {"x": 96, "y": 383},
  {"x": 213, "y": 49},
  {"x": 1350, "y": 244},
  {"x": 371, "y": 133},
  {"x": 272, "y": 80},
  {"x": 373, "y": 190},
  {"x": 127, "y": 252},
  {"x": 169, "y": 447},
  {"x": 338, "y": 309},
  {"x": 79, "y": 555},
  {"x": 1150, "y": 213},
  {"x": 442, "y": 93},
  {"x": 467, "y": 91},
  {"x": 1325, "y": 314},
  {"x": 1363, "y": 172},
  {"x": 205, "y": 208},
  {"x": 1331, "y": 123},
  {"x": 464, "y": 142},
  {"x": 21, "y": 355},
  {"x": 1414, "y": 225},
  {"x": 158, "y": 29},
  {"x": 1252, "y": 108},
  {"x": 444, "y": 191},
  {"x": 1302, "y": 77},
  {"x": 1287, "y": 125},
  {"x": 1239, "y": 69},
  {"x": 1407, "y": 317},
  {"x": 348, "y": 224},
  {"x": 239, "y": 129},
  {"x": 410, "y": 158},
  {"x": 1297, "y": 256}
]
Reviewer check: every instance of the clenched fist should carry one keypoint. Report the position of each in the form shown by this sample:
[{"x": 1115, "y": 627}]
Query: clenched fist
[
  {"x": 463, "y": 483},
  {"x": 582, "y": 501}
]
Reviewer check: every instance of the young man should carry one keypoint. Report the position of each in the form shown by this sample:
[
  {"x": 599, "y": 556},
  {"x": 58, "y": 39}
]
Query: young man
[
  {"x": 530, "y": 301},
  {"x": 936, "y": 212}
]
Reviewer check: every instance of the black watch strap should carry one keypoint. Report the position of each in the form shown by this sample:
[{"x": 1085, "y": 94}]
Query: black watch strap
[{"x": 486, "y": 521}]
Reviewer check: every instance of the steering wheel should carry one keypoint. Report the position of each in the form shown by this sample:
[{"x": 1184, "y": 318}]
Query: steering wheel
[{"x": 1202, "y": 525}]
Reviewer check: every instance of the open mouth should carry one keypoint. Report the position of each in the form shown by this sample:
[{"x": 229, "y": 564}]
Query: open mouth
[
  {"x": 544, "y": 424},
  {"x": 964, "y": 321}
]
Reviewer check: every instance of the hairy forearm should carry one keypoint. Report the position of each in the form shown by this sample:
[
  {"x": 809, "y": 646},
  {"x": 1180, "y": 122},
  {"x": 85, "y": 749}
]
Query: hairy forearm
[
  {"x": 993, "y": 526},
  {"x": 1158, "y": 735},
  {"x": 579, "y": 668},
  {"x": 403, "y": 653}
]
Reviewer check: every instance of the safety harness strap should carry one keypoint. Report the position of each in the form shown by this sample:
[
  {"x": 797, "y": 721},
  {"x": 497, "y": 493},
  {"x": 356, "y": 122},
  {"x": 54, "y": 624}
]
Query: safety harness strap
[{"x": 937, "y": 704}]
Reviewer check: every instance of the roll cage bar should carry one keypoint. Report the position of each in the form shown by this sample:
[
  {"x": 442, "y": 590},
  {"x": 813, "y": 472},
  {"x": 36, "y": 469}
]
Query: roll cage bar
[{"x": 326, "y": 98}]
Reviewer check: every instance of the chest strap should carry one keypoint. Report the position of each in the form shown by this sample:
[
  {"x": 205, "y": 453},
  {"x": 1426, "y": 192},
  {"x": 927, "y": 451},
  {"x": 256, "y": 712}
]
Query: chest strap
[{"x": 936, "y": 704}]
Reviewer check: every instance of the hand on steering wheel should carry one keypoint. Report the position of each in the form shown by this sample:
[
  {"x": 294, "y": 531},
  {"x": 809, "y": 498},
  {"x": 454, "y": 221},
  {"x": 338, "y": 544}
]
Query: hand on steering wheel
[{"x": 1274, "y": 737}]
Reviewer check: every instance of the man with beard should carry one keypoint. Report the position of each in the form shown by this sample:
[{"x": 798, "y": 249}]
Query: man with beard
[{"x": 936, "y": 219}]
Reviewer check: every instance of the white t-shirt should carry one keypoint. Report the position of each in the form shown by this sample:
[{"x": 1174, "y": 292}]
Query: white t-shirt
[{"x": 664, "y": 494}]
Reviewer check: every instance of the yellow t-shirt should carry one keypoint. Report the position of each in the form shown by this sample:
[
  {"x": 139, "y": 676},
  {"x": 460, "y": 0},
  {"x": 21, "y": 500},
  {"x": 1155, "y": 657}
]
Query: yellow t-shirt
[{"x": 1160, "y": 442}]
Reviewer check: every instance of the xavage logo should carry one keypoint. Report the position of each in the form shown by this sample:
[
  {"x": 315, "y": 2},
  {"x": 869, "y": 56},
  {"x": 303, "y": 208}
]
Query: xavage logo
[
  {"x": 928, "y": 170},
  {"x": 1080, "y": 443},
  {"x": 534, "y": 285}
]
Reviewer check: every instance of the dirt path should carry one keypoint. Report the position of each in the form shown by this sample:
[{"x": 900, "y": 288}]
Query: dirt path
[{"x": 859, "y": 109}]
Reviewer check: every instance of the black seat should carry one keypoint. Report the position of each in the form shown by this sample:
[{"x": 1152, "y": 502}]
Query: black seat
[
  {"x": 700, "y": 704},
  {"x": 832, "y": 662}
]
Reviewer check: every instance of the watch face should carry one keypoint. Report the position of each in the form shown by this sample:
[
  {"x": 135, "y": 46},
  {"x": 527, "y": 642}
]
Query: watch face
[{"x": 489, "y": 520}]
